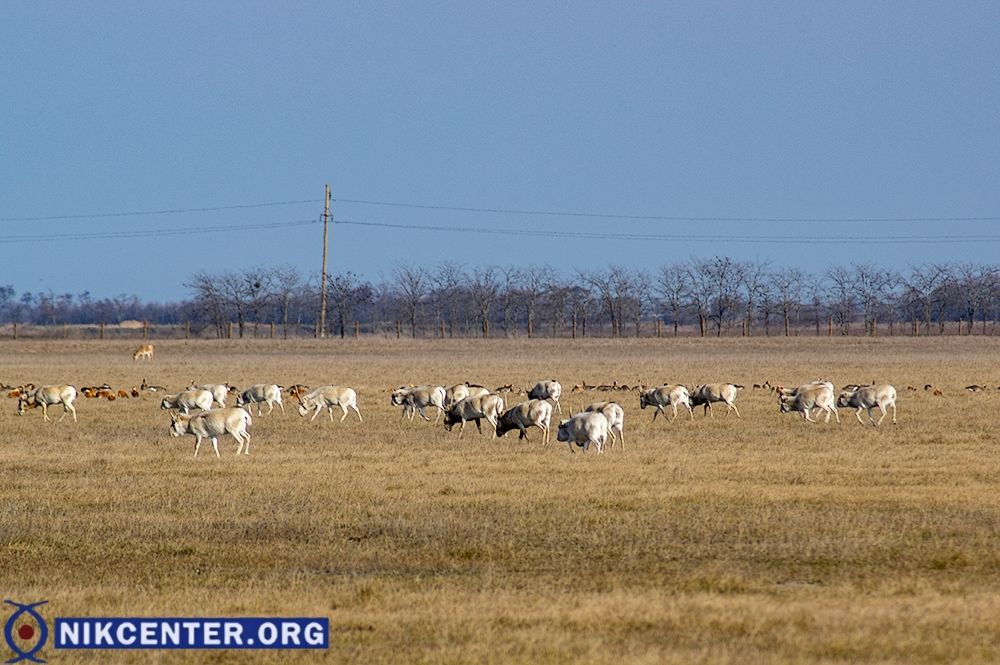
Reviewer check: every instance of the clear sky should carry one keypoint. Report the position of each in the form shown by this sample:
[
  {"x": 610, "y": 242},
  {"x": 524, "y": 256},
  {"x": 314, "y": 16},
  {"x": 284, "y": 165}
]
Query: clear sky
[{"x": 798, "y": 110}]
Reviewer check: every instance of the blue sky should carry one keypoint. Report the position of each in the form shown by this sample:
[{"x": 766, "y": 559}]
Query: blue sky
[{"x": 798, "y": 110}]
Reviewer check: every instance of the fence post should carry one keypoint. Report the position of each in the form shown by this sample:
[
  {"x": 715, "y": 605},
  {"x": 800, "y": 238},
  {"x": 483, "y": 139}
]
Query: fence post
[
  {"x": 187, "y": 330},
  {"x": 65, "y": 331},
  {"x": 15, "y": 330},
  {"x": 357, "y": 329},
  {"x": 102, "y": 329},
  {"x": 830, "y": 329},
  {"x": 398, "y": 331}
]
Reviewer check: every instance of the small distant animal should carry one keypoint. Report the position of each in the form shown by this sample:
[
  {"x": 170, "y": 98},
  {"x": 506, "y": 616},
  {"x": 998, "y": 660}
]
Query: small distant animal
[
  {"x": 975, "y": 388},
  {"x": 122, "y": 394},
  {"x": 911, "y": 389},
  {"x": 508, "y": 388},
  {"x": 144, "y": 352},
  {"x": 938, "y": 392},
  {"x": 928, "y": 386}
]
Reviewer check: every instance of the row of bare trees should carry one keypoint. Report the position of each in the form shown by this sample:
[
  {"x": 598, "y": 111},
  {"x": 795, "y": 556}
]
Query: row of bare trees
[{"x": 713, "y": 296}]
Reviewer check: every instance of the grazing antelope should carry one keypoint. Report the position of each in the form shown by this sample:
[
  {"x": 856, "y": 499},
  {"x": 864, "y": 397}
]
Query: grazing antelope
[
  {"x": 187, "y": 400},
  {"x": 975, "y": 388},
  {"x": 260, "y": 393},
  {"x": 816, "y": 395},
  {"x": 672, "y": 395},
  {"x": 122, "y": 394},
  {"x": 708, "y": 393},
  {"x": 46, "y": 396},
  {"x": 867, "y": 398},
  {"x": 145, "y": 351},
  {"x": 550, "y": 389},
  {"x": 416, "y": 399},
  {"x": 533, "y": 413},
  {"x": 474, "y": 407},
  {"x": 584, "y": 429},
  {"x": 938, "y": 392},
  {"x": 220, "y": 391},
  {"x": 212, "y": 425},
  {"x": 507, "y": 388},
  {"x": 615, "y": 414},
  {"x": 328, "y": 397}
]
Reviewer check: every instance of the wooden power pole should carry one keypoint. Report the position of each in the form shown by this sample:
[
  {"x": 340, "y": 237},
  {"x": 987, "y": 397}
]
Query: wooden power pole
[{"x": 322, "y": 278}]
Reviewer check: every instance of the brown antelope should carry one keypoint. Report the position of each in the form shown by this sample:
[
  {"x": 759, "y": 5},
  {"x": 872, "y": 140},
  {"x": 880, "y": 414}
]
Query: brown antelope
[{"x": 145, "y": 352}]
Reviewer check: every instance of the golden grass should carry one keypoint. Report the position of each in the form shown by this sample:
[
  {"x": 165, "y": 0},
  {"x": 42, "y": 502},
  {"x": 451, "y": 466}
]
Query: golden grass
[{"x": 719, "y": 540}]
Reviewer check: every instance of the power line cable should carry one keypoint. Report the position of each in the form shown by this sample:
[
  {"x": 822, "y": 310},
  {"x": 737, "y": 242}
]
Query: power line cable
[
  {"x": 168, "y": 211},
  {"x": 666, "y": 218},
  {"x": 686, "y": 238},
  {"x": 186, "y": 231}
]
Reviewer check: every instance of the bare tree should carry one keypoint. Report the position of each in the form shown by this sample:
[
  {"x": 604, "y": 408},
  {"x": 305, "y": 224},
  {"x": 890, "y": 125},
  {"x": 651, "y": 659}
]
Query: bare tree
[
  {"x": 484, "y": 287},
  {"x": 509, "y": 281},
  {"x": 346, "y": 293},
  {"x": 754, "y": 287},
  {"x": 287, "y": 281},
  {"x": 976, "y": 287},
  {"x": 617, "y": 290},
  {"x": 210, "y": 299},
  {"x": 721, "y": 279},
  {"x": 787, "y": 287},
  {"x": 874, "y": 286},
  {"x": 672, "y": 286},
  {"x": 922, "y": 283},
  {"x": 533, "y": 287},
  {"x": 411, "y": 283},
  {"x": 446, "y": 281}
]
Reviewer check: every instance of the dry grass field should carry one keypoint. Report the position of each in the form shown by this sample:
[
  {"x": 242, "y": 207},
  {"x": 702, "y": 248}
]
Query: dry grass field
[{"x": 720, "y": 540}]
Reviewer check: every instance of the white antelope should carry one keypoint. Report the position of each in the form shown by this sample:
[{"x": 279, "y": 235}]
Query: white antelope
[
  {"x": 220, "y": 391},
  {"x": 708, "y": 393},
  {"x": 533, "y": 413},
  {"x": 474, "y": 408},
  {"x": 461, "y": 391},
  {"x": 145, "y": 352},
  {"x": 615, "y": 414},
  {"x": 417, "y": 399},
  {"x": 666, "y": 395},
  {"x": 867, "y": 398},
  {"x": 817, "y": 395},
  {"x": 212, "y": 425},
  {"x": 46, "y": 396},
  {"x": 328, "y": 397},
  {"x": 550, "y": 389},
  {"x": 187, "y": 400},
  {"x": 260, "y": 393},
  {"x": 584, "y": 429}
]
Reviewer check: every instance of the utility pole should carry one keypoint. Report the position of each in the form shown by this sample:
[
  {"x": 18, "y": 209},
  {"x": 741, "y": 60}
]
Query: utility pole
[{"x": 322, "y": 278}]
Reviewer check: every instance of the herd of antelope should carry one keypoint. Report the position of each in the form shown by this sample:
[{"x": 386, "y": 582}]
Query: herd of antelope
[{"x": 200, "y": 410}]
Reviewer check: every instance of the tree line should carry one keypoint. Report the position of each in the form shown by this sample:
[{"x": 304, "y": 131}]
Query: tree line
[{"x": 715, "y": 296}]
